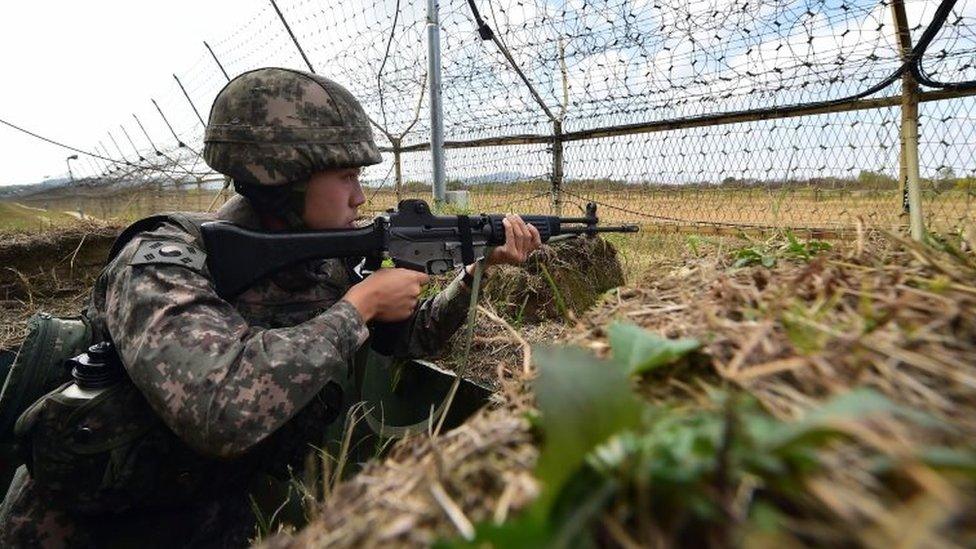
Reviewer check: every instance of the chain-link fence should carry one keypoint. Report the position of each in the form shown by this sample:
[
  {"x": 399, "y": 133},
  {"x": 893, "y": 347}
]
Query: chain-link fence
[{"x": 690, "y": 115}]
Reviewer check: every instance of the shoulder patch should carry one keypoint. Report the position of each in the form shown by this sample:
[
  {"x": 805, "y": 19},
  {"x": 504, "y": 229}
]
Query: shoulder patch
[{"x": 168, "y": 252}]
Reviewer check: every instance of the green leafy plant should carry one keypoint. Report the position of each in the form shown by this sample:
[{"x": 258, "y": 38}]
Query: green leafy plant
[
  {"x": 786, "y": 246},
  {"x": 641, "y": 351},
  {"x": 676, "y": 470}
]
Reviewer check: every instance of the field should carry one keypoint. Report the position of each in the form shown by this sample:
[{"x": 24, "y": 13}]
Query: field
[
  {"x": 746, "y": 385},
  {"x": 668, "y": 217},
  {"x": 692, "y": 208},
  {"x": 16, "y": 217}
]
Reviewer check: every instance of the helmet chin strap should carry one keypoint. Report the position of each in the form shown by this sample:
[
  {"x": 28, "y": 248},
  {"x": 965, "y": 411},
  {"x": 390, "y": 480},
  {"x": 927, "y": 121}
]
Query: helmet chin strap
[{"x": 279, "y": 202}]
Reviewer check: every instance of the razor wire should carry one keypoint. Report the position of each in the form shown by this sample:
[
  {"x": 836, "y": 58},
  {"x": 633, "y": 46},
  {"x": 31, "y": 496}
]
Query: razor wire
[{"x": 748, "y": 113}]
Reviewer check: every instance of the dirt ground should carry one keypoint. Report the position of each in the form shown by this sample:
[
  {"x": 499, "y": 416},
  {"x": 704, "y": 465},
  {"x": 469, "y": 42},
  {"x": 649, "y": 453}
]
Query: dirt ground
[{"x": 50, "y": 271}]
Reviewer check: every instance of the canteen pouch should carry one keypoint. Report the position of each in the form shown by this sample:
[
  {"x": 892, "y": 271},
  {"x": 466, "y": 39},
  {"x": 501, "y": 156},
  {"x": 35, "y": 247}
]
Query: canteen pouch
[
  {"x": 109, "y": 453},
  {"x": 39, "y": 365},
  {"x": 95, "y": 453}
]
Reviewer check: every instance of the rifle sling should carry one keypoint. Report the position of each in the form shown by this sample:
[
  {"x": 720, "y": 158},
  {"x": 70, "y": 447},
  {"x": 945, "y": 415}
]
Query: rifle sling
[{"x": 467, "y": 247}]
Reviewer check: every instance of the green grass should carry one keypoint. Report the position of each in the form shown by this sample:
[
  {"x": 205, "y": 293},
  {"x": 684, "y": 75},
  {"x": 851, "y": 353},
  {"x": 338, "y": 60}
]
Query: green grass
[{"x": 17, "y": 218}]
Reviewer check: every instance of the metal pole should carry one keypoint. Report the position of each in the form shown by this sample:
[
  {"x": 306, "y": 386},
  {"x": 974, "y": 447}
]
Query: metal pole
[
  {"x": 190, "y": 101},
  {"x": 397, "y": 170},
  {"x": 557, "y": 136},
  {"x": 92, "y": 166},
  {"x": 293, "y": 39},
  {"x": 436, "y": 107},
  {"x": 116, "y": 143},
  {"x": 212, "y": 54},
  {"x": 71, "y": 175},
  {"x": 908, "y": 168},
  {"x": 557, "y": 168},
  {"x": 131, "y": 142},
  {"x": 144, "y": 132},
  {"x": 108, "y": 166},
  {"x": 179, "y": 142}
]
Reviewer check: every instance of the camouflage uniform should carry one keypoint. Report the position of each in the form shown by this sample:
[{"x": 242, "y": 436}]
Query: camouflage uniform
[{"x": 241, "y": 386}]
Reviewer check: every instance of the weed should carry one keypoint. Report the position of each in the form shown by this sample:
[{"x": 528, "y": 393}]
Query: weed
[
  {"x": 615, "y": 466},
  {"x": 781, "y": 246}
]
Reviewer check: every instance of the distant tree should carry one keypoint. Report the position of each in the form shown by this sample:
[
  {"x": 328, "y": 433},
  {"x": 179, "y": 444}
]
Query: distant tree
[
  {"x": 966, "y": 184},
  {"x": 875, "y": 180}
]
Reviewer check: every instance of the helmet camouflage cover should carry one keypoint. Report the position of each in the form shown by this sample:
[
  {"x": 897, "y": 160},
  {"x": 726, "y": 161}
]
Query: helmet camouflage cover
[{"x": 274, "y": 126}]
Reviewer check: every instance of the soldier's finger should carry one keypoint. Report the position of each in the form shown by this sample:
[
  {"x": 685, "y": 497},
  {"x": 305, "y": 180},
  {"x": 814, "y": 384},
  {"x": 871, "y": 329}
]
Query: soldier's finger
[
  {"x": 527, "y": 239},
  {"x": 509, "y": 232},
  {"x": 521, "y": 233},
  {"x": 536, "y": 237}
]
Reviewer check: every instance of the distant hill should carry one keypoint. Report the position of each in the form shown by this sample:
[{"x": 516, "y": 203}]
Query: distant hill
[
  {"x": 495, "y": 177},
  {"x": 32, "y": 188}
]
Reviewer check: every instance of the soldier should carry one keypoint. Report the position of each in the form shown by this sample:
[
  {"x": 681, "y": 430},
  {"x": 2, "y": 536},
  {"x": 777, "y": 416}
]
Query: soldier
[{"x": 222, "y": 391}]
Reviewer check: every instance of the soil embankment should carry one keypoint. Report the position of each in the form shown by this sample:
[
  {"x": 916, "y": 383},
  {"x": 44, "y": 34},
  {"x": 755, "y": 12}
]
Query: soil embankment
[{"x": 51, "y": 271}]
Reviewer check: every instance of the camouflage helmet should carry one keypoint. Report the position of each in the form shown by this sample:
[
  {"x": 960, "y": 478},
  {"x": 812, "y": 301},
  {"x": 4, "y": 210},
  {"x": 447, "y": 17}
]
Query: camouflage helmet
[{"x": 273, "y": 126}]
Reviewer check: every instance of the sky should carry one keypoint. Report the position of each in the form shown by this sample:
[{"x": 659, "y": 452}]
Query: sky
[
  {"x": 71, "y": 70},
  {"x": 78, "y": 70}
]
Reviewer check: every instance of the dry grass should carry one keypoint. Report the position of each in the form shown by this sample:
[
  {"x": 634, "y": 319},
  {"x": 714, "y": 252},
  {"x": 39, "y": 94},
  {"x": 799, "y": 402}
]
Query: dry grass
[
  {"x": 880, "y": 312},
  {"x": 562, "y": 279},
  {"x": 697, "y": 208},
  {"x": 49, "y": 271}
]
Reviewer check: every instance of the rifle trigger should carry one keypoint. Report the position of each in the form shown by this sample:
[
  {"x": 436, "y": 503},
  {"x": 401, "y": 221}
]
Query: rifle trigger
[{"x": 439, "y": 266}]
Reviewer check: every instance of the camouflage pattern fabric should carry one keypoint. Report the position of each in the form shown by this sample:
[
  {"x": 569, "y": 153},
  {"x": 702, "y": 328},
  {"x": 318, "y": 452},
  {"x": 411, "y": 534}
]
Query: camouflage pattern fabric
[
  {"x": 244, "y": 386},
  {"x": 225, "y": 521},
  {"x": 275, "y": 126}
]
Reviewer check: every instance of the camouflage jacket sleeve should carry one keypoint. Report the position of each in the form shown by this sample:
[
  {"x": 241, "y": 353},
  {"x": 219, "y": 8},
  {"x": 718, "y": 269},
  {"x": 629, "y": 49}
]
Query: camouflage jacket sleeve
[
  {"x": 436, "y": 320},
  {"x": 217, "y": 382}
]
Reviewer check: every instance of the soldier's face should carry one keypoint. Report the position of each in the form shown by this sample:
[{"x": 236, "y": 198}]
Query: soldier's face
[{"x": 332, "y": 199}]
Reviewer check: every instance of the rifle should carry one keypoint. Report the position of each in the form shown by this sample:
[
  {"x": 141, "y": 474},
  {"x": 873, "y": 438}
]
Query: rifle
[{"x": 411, "y": 236}]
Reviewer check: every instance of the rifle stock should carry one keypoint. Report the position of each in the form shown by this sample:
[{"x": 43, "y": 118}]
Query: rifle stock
[{"x": 238, "y": 257}]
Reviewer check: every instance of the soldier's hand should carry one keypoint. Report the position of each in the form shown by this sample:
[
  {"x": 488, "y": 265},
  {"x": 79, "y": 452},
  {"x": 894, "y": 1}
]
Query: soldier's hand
[
  {"x": 521, "y": 239},
  {"x": 388, "y": 295}
]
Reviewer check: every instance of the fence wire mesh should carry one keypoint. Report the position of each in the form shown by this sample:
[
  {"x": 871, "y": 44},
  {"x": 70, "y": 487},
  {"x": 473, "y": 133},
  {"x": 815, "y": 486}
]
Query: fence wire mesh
[{"x": 691, "y": 115}]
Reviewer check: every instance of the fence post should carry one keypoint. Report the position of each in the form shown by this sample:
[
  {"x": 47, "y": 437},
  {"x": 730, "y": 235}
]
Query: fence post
[
  {"x": 436, "y": 107},
  {"x": 557, "y": 167},
  {"x": 908, "y": 172},
  {"x": 397, "y": 170},
  {"x": 284, "y": 22},
  {"x": 190, "y": 101},
  {"x": 217, "y": 61},
  {"x": 179, "y": 142}
]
